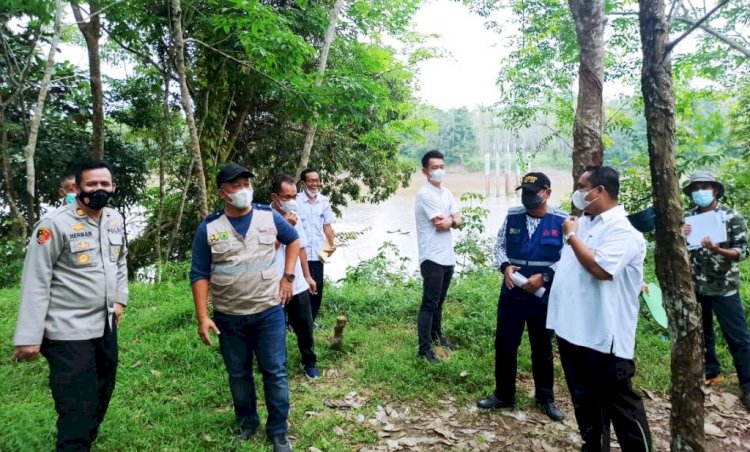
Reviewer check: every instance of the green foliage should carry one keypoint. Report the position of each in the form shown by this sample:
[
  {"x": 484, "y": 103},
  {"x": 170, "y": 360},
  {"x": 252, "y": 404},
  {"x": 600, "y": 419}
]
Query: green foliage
[
  {"x": 388, "y": 267},
  {"x": 11, "y": 260},
  {"x": 473, "y": 245}
]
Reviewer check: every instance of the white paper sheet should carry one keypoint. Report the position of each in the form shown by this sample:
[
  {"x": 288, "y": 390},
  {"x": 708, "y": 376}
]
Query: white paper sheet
[{"x": 710, "y": 224}]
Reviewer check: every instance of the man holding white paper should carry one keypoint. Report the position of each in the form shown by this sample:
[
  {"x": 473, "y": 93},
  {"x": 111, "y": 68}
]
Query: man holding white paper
[
  {"x": 716, "y": 275},
  {"x": 527, "y": 250}
]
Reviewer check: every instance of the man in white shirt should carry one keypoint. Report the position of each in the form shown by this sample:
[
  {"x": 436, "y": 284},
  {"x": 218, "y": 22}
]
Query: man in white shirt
[
  {"x": 593, "y": 309},
  {"x": 436, "y": 213},
  {"x": 298, "y": 311},
  {"x": 314, "y": 210}
]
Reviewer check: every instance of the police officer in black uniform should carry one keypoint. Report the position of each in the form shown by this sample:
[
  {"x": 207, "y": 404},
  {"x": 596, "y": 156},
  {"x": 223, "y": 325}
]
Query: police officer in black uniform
[{"x": 529, "y": 244}]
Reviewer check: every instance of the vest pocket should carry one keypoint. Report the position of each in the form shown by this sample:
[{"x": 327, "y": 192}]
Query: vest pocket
[
  {"x": 222, "y": 279},
  {"x": 266, "y": 239}
]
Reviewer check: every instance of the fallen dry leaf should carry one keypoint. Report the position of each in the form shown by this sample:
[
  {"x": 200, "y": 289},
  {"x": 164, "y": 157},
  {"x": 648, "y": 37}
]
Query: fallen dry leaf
[{"x": 713, "y": 430}]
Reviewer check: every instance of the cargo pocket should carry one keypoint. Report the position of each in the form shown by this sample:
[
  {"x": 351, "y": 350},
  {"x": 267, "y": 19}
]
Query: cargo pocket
[{"x": 270, "y": 273}]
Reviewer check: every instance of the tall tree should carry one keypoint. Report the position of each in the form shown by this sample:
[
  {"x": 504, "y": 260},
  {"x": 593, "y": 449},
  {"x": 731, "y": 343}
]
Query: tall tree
[
  {"x": 672, "y": 263},
  {"x": 589, "y": 120},
  {"x": 311, "y": 126},
  {"x": 91, "y": 31},
  {"x": 37, "y": 119},
  {"x": 179, "y": 57}
]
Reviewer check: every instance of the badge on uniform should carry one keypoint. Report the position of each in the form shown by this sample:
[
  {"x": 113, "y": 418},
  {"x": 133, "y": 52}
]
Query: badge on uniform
[
  {"x": 83, "y": 259},
  {"x": 217, "y": 237},
  {"x": 514, "y": 231},
  {"x": 112, "y": 223},
  {"x": 78, "y": 227},
  {"x": 83, "y": 245},
  {"x": 80, "y": 212},
  {"x": 43, "y": 235}
]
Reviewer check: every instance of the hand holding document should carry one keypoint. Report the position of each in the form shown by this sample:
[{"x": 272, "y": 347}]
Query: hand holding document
[
  {"x": 326, "y": 252},
  {"x": 710, "y": 224},
  {"x": 519, "y": 280}
]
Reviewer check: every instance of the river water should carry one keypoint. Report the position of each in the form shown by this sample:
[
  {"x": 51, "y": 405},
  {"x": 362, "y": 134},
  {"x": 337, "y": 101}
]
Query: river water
[{"x": 393, "y": 220}]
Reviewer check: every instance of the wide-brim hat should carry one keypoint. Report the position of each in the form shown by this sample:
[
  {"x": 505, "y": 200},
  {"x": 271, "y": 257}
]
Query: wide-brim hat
[{"x": 704, "y": 176}]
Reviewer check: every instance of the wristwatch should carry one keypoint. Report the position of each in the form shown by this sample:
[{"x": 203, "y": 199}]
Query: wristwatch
[
  {"x": 547, "y": 275},
  {"x": 289, "y": 277},
  {"x": 566, "y": 237}
]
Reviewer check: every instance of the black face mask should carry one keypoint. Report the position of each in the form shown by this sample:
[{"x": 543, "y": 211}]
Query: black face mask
[
  {"x": 531, "y": 200},
  {"x": 95, "y": 199}
]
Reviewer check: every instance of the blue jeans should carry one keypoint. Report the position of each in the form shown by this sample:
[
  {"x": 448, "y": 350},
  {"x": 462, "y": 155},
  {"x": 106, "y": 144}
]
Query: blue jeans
[
  {"x": 262, "y": 335},
  {"x": 731, "y": 319}
]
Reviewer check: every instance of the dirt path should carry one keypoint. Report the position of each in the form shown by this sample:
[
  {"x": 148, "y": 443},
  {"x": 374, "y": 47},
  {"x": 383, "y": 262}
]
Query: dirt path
[{"x": 450, "y": 426}]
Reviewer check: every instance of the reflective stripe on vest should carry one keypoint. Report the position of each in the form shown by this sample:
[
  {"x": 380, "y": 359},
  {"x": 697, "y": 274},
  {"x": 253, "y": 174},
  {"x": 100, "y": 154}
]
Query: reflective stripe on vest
[{"x": 529, "y": 263}]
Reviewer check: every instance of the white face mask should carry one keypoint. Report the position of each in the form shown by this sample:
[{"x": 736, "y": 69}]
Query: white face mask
[
  {"x": 437, "y": 175},
  {"x": 311, "y": 193},
  {"x": 242, "y": 199},
  {"x": 288, "y": 206},
  {"x": 579, "y": 199}
]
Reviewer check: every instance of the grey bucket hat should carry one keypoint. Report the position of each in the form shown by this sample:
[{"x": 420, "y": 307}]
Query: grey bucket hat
[{"x": 704, "y": 176}]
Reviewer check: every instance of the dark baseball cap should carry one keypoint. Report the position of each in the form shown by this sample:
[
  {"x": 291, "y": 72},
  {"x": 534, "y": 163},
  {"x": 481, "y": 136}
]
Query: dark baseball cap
[
  {"x": 232, "y": 172},
  {"x": 535, "y": 182}
]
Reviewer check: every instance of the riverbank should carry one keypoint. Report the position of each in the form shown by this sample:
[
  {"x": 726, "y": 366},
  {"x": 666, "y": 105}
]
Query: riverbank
[{"x": 172, "y": 392}]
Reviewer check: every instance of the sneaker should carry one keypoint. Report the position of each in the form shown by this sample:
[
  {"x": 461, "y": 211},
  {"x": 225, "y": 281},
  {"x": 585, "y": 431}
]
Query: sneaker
[
  {"x": 281, "y": 443},
  {"x": 311, "y": 372},
  {"x": 715, "y": 380},
  {"x": 445, "y": 343},
  {"x": 429, "y": 356}
]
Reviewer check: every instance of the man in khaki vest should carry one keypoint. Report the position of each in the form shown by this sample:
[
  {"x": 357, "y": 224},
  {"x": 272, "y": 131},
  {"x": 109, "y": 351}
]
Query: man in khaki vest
[{"x": 234, "y": 257}]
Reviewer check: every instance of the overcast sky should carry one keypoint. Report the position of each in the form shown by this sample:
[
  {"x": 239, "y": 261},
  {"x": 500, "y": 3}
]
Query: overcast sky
[{"x": 467, "y": 77}]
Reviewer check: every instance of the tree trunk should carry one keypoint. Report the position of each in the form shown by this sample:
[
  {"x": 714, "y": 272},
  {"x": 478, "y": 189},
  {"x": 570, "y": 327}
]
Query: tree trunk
[
  {"x": 164, "y": 144},
  {"x": 311, "y": 126},
  {"x": 179, "y": 45},
  {"x": 672, "y": 263},
  {"x": 37, "y": 119},
  {"x": 91, "y": 32},
  {"x": 183, "y": 199},
  {"x": 589, "y": 120},
  {"x": 19, "y": 223}
]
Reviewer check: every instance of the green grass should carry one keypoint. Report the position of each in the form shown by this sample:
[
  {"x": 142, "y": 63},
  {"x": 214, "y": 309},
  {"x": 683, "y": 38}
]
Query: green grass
[{"x": 172, "y": 391}]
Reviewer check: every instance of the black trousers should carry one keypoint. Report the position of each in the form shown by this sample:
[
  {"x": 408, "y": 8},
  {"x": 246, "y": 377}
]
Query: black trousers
[
  {"x": 316, "y": 271},
  {"x": 82, "y": 379},
  {"x": 436, "y": 279},
  {"x": 731, "y": 318},
  {"x": 516, "y": 309},
  {"x": 601, "y": 389},
  {"x": 299, "y": 316}
]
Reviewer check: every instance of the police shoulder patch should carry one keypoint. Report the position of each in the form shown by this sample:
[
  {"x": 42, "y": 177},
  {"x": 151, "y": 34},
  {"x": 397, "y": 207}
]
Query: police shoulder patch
[{"x": 43, "y": 235}]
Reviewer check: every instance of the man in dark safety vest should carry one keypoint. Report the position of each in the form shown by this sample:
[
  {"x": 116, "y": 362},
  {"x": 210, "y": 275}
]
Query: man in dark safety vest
[{"x": 526, "y": 252}]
